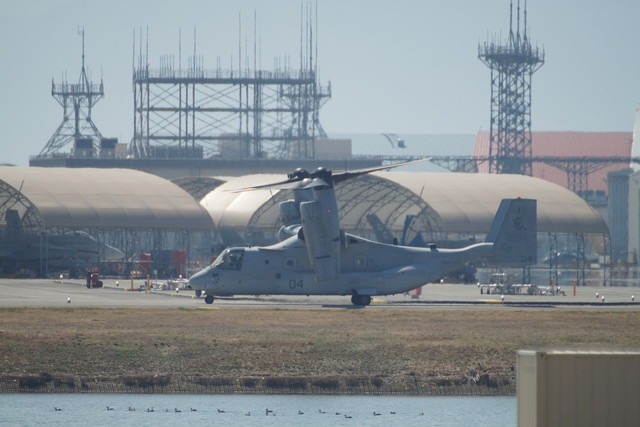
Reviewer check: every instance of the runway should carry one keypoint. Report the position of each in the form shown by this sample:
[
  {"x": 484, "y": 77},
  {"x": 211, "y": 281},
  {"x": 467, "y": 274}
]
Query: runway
[{"x": 72, "y": 293}]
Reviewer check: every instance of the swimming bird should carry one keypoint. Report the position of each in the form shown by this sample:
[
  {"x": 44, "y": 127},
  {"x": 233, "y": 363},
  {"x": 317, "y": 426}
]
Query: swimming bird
[{"x": 220, "y": 411}]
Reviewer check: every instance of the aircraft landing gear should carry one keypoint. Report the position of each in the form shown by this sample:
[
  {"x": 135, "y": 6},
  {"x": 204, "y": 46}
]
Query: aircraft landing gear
[
  {"x": 198, "y": 292},
  {"x": 361, "y": 300},
  {"x": 208, "y": 299}
]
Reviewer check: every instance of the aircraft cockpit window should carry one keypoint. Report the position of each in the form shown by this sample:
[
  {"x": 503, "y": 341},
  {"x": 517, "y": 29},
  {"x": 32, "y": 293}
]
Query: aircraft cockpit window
[
  {"x": 233, "y": 260},
  {"x": 218, "y": 261}
]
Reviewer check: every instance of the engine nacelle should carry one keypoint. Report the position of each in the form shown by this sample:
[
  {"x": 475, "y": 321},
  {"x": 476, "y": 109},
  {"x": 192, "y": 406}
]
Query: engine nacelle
[
  {"x": 322, "y": 239},
  {"x": 289, "y": 212}
]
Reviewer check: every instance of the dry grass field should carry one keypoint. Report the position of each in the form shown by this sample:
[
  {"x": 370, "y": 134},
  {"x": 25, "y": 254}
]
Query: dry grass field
[{"x": 328, "y": 350}]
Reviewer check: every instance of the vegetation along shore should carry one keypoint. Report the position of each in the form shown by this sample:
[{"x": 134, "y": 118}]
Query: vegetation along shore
[{"x": 333, "y": 351}]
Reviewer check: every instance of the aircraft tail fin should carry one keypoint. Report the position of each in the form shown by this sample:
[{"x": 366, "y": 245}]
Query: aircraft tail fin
[
  {"x": 513, "y": 233},
  {"x": 13, "y": 232},
  {"x": 382, "y": 233}
]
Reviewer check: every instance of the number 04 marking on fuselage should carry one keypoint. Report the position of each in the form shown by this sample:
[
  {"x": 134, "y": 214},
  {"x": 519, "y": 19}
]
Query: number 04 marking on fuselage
[{"x": 293, "y": 283}]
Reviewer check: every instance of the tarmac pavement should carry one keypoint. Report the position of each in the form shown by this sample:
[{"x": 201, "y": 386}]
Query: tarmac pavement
[{"x": 73, "y": 293}]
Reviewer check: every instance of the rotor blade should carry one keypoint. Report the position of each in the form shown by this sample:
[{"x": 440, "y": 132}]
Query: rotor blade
[
  {"x": 343, "y": 176},
  {"x": 299, "y": 183},
  {"x": 287, "y": 185}
]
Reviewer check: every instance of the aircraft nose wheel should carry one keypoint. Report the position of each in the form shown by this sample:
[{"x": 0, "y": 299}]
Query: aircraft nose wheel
[
  {"x": 361, "y": 300},
  {"x": 208, "y": 299}
]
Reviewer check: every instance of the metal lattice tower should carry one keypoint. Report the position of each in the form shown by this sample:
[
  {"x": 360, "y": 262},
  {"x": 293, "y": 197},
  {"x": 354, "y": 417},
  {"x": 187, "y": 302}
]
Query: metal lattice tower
[
  {"x": 198, "y": 113},
  {"x": 77, "y": 130},
  {"x": 512, "y": 64},
  {"x": 242, "y": 113}
]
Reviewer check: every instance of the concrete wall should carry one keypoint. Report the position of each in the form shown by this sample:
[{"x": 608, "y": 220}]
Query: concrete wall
[{"x": 571, "y": 387}]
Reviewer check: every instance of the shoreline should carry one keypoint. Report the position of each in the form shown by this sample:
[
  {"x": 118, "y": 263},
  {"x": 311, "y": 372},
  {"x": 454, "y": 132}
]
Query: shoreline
[{"x": 373, "y": 386}]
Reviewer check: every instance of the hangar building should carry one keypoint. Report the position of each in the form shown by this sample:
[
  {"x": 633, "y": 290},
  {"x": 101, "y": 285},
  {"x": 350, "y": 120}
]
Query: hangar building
[
  {"x": 137, "y": 212},
  {"x": 133, "y": 211}
]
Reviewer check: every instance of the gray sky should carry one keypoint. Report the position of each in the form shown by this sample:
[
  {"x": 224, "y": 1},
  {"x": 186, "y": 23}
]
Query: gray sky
[{"x": 405, "y": 67}]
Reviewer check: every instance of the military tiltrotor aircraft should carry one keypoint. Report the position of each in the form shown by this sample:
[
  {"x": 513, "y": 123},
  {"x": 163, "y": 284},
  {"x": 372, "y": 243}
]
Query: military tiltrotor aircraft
[{"x": 320, "y": 259}]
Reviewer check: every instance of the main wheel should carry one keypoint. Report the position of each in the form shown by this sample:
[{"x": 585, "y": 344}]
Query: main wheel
[
  {"x": 361, "y": 300},
  {"x": 208, "y": 299},
  {"x": 198, "y": 292}
]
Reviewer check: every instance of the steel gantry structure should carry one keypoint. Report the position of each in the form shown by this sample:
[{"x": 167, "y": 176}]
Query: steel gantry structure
[
  {"x": 512, "y": 64},
  {"x": 77, "y": 126},
  {"x": 228, "y": 114}
]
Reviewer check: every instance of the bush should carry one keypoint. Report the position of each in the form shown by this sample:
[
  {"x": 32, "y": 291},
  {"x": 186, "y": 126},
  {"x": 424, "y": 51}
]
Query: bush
[
  {"x": 214, "y": 382},
  {"x": 249, "y": 382},
  {"x": 327, "y": 383},
  {"x": 65, "y": 381},
  {"x": 377, "y": 382},
  {"x": 286, "y": 382},
  {"x": 487, "y": 381},
  {"x": 33, "y": 382},
  {"x": 354, "y": 382},
  {"x": 147, "y": 381}
]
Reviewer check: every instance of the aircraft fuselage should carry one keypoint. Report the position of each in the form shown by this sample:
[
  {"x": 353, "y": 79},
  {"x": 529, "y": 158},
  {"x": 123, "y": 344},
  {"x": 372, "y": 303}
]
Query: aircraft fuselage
[{"x": 366, "y": 268}]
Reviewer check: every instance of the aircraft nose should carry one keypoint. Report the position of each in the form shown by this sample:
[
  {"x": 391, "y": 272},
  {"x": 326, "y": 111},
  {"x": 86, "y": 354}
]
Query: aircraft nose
[{"x": 199, "y": 280}]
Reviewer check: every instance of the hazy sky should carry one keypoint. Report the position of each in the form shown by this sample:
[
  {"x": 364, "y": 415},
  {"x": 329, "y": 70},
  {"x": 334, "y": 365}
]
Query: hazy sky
[{"x": 397, "y": 66}]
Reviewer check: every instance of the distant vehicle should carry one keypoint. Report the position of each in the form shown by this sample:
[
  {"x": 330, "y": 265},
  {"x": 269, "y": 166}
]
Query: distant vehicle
[
  {"x": 321, "y": 259},
  {"x": 93, "y": 278},
  {"x": 77, "y": 250},
  {"x": 570, "y": 259}
]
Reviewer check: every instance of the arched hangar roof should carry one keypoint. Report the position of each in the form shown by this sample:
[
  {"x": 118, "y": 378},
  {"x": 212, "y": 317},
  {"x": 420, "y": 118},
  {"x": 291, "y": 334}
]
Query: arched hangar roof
[
  {"x": 454, "y": 202},
  {"x": 467, "y": 202},
  {"x": 110, "y": 198},
  {"x": 231, "y": 208}
]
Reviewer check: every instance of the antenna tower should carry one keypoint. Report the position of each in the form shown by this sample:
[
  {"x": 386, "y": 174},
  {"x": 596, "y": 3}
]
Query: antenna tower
[
  {"x": 235, "y": 113},
  {"x": 77, "y": 100},
  {"x": 512, "y": 64}
]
